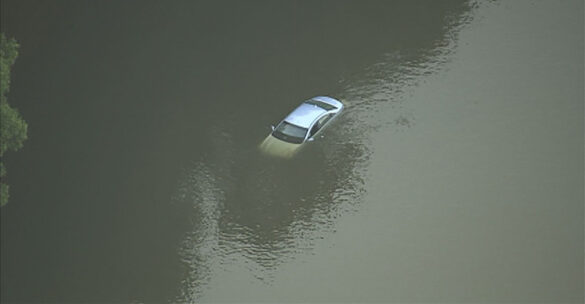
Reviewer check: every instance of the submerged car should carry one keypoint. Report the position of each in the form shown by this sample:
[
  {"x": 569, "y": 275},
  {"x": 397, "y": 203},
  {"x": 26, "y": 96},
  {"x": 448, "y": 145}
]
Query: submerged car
[{"x": 307, "y": 120}]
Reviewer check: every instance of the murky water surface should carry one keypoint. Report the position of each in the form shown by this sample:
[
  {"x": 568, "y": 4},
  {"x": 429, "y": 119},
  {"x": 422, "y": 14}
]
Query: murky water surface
[{"x": 455, "y": 173}]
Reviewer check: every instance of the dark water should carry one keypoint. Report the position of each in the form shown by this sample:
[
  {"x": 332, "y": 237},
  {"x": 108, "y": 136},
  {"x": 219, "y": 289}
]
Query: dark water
[{"x": 454, "y": 174}]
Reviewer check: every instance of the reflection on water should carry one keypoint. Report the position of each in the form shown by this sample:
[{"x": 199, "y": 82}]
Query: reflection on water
[
  {"x": 264, "y": 210},
  {"x": 229, "y": 70},
  {"x": 260, "y": 211},
  {"x": 199, "y": 249}
]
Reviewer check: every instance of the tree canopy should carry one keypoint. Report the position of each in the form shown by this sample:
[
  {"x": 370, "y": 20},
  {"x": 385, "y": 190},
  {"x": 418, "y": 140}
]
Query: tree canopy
[
  {"x": 8, "y": 54},
  {"x": 13, "y": 129}
]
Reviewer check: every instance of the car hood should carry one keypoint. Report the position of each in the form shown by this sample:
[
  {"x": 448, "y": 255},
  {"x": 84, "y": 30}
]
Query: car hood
[{"x": 275, "y": 147}]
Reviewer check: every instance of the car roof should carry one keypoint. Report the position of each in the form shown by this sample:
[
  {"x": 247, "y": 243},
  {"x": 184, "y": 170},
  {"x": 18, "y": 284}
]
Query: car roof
[{"x": 304, "y": 115}]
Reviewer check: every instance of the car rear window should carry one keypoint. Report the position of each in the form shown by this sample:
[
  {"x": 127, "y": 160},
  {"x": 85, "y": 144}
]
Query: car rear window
[{"x": 323, "y": 105}]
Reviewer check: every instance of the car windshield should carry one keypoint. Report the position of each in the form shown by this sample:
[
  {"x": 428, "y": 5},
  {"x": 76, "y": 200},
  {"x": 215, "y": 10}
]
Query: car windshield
[
  {"x": 320, "y": 104},
  {"x": 290, "y": 133}
]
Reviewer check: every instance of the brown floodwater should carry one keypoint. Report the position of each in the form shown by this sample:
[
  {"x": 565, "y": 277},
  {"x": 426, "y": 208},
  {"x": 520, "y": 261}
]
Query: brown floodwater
[{"x": 454, "y": 174}]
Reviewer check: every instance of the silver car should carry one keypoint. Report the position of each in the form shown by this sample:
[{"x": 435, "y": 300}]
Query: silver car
[{"x": 307, "y": 120}]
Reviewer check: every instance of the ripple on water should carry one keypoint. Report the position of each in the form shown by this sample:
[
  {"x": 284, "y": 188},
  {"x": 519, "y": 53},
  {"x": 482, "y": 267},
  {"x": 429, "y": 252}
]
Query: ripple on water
[{"x": 259, "y": 212}]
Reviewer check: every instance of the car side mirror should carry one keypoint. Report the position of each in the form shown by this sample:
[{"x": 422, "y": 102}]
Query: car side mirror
[
  {"x": 272, "y": 127},
  {"x": 311, "y": 139}
]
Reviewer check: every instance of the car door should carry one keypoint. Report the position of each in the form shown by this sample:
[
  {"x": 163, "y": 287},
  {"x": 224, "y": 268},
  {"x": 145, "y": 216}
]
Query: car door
[{"x": 319, "y": 124}]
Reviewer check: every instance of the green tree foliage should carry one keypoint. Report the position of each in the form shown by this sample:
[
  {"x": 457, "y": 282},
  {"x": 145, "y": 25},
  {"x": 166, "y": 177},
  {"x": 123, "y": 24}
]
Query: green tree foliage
[
  {"x": 13, "y": 128},
  {"x": 4, "y": 194},
  {"x": 3, "y": 187},
  {"x": 8, "y": 54}
]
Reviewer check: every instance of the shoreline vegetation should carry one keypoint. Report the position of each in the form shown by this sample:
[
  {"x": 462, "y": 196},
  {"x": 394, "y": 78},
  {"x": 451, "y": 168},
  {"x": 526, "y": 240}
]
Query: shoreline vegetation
[{"x": 13, "y": 129}]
